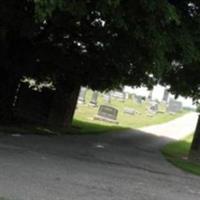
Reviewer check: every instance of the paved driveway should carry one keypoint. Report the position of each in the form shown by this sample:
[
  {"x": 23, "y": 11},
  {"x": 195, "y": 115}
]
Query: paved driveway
[
  {"x": 122, "y": 166},
  {"x": 176, "y": 129}
]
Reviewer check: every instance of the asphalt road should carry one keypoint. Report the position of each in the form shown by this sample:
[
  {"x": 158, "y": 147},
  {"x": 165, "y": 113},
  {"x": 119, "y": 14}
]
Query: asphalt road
[
  {"x": 176, "y": 129},
  {"x": 121, "y": 166}
]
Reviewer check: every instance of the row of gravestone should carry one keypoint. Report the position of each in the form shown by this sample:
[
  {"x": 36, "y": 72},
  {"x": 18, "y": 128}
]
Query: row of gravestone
[
  {"x": 172, "y": 107},
  {"x": 109, "y": 113},
  {"x": 120, "y": 96},
  {"x": 107, "y": 97},
  {"x": 82, "y": 97}
]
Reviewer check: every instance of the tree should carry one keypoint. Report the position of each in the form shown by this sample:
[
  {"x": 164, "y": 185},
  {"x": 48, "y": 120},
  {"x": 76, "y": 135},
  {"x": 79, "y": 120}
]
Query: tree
[
  {"x": 108, "y": 44},
  {"x": 104, "y": 44},
  {"x": 16, "y": 22},
  {"x": 184, "y": 74}
]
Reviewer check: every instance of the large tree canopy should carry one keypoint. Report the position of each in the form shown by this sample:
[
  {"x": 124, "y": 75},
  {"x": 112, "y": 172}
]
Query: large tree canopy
[
  {"x": 96, "y": 39},
  {"x": 107, "y": 43},
  {"x": 102, "y": 44},
  {"x": 184, "y": 75}
]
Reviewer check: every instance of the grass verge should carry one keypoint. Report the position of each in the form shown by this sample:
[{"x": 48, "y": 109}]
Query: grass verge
[
  {"x": 177, "y": 154},
  {"x": 96, "y": 128},
  {"x": 78, "y": 127}
]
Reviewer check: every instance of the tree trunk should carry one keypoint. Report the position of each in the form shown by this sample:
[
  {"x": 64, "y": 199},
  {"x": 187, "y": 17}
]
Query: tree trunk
[
  {"x": 63, "y": 107},
  {"x": 195, "y": 147},
  {"x": 70, "y": 110},
  {"x": 8, "y": 89}
]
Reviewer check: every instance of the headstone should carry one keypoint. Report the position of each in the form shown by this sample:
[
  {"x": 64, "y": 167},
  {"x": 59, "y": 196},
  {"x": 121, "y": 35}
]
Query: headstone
[
  {"x": 129, "y": 111},
  {"x": 107, "y": 98},
  {"x": 127, "y": 95},
  {"x": 138, "y": 99},
  {"x": 121, "y": 96},
  {"x": 107, "y": 113},
  {"x": 150, "y": 95},
  {"x": 166, "y": 95},
  {"x": 174, "y": 106},
  {"x": 153, "y": 107},
  {"x": 82, "y": 95},
  {"x": 94, "y": 98},
  {"x": 133, "y": 97}
]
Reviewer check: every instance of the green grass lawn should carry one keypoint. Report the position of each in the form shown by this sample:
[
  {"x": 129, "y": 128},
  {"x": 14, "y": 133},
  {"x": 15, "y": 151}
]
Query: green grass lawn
[
  {"x": 177, "y": 154},
  {"x": 85, "y": 113}
]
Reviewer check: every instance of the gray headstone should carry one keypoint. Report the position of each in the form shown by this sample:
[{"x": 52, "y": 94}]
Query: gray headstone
[
  {"x": 174, "y": 106},
  {"x": 129, "y": 111},
  {"x": 127, "y": 95},
  {"x": 82, "y": 95},
  {"x": 94, "y": 98},
  {"x": 133, "y": 97},
  {"x": 150, "y": 95},
  {"x": 138, "y": 99},
  {"x": 107, "y": 98},
  {"x": 107, "y": 113},
  {"x": 153, "y": 107},
  {"x": 121, "y": 96},
  {"x": 166, "y": 95}
]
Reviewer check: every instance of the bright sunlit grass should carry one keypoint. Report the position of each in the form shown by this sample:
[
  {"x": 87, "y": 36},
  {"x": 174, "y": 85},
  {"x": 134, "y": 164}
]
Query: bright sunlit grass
[{"x": 177, "y": 153}]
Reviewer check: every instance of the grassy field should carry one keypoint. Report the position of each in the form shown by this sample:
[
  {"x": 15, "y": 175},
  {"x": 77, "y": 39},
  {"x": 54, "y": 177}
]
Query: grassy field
[
  {"x": 177, "y": 154},
  {"x": 85, "y": 113}
]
